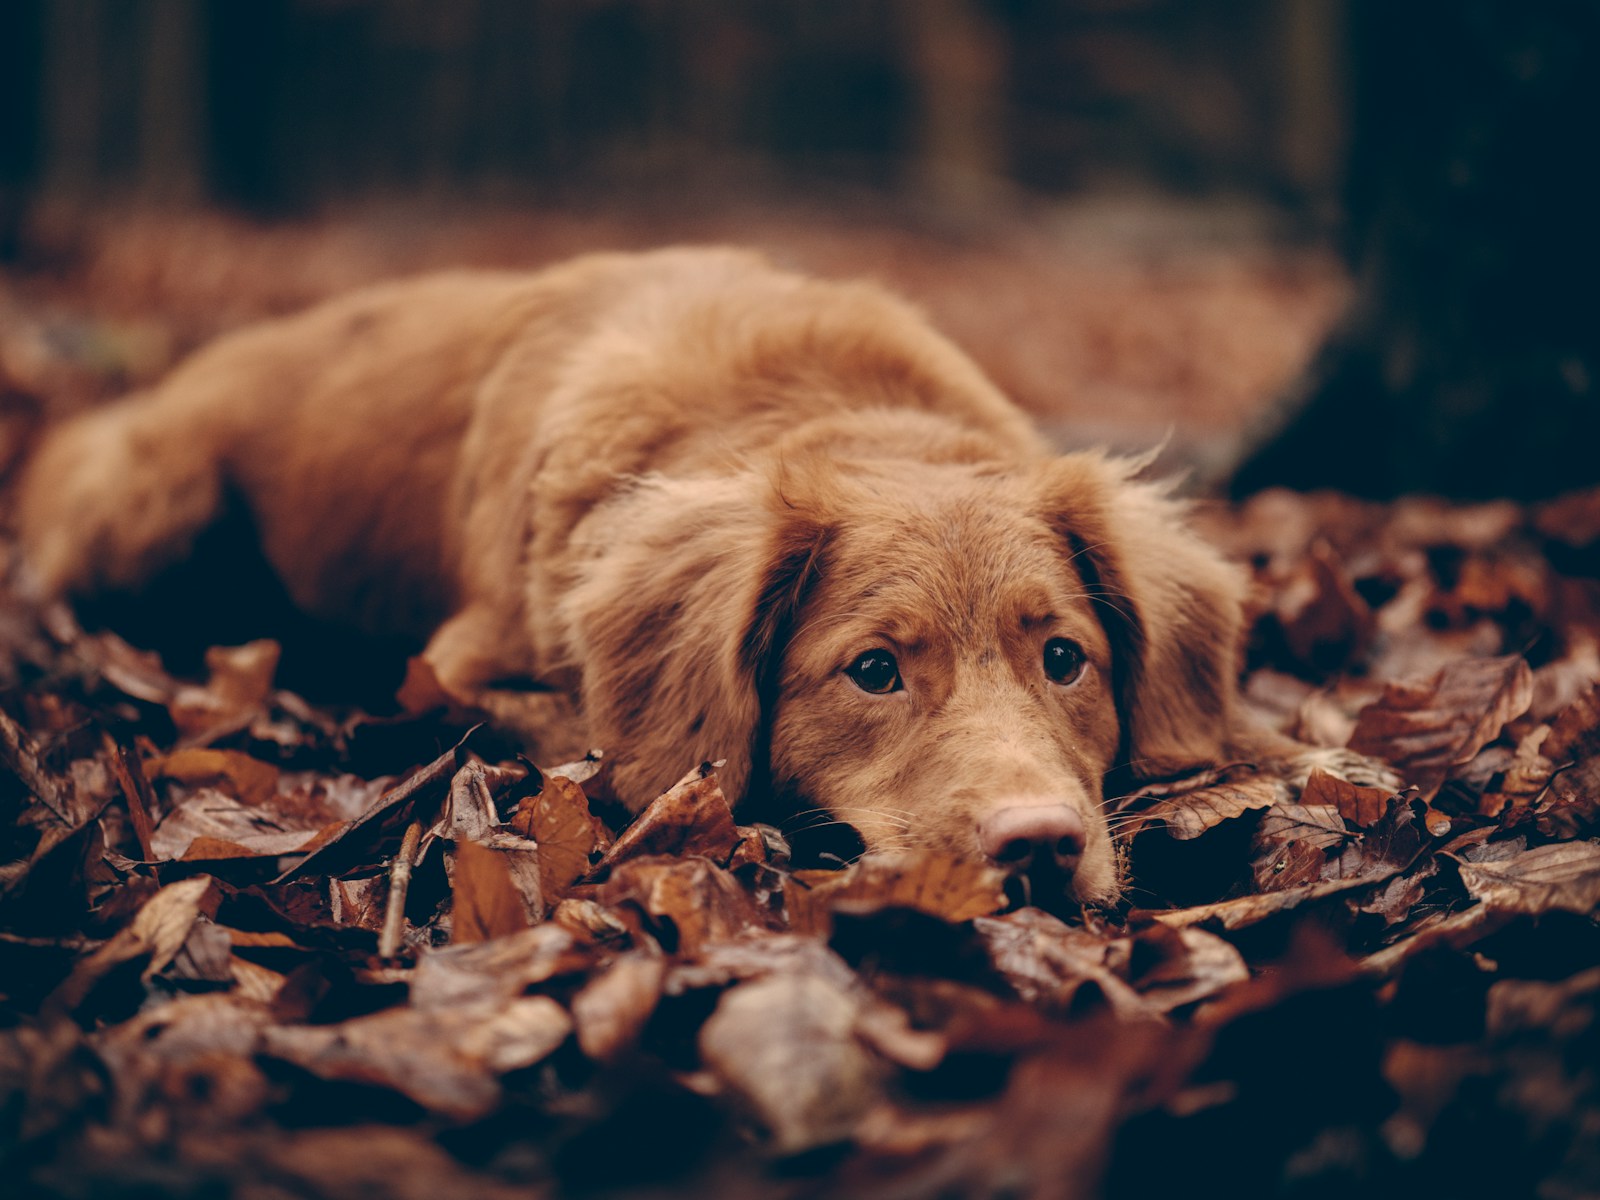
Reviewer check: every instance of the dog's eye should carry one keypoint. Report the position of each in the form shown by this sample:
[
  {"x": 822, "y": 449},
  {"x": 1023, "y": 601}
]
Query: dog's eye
[
  {"x": 1063, "y": 660},
  {"x": 875, "y": 672}
]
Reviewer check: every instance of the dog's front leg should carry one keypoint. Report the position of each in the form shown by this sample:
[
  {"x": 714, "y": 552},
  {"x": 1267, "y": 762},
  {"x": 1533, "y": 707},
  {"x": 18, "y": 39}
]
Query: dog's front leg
[{"x": 476, "y": 653}]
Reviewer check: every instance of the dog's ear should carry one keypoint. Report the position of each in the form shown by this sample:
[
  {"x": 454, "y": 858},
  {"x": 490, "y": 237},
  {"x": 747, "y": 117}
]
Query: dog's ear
[
  {"x": 1171, "y": 607},
  {"x": 679, "y": 626}
]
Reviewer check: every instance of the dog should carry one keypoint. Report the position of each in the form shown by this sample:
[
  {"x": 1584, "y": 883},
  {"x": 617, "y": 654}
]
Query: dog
[{"x": 718, "y": 511}]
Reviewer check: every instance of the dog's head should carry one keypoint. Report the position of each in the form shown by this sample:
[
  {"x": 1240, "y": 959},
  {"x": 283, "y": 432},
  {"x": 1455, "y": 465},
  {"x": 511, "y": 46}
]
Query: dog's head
[{"x": 952, "y": 655}]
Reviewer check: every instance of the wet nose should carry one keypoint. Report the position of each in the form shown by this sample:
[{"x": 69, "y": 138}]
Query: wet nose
[{"x": 1013, "y": 836}]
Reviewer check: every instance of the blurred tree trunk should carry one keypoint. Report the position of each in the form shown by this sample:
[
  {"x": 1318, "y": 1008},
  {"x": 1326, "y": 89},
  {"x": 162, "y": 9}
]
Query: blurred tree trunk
[
  {"x": 73, "y": 43},
  {"x": 172, "y": 110},
  {"x": 1470, "y": 362}
]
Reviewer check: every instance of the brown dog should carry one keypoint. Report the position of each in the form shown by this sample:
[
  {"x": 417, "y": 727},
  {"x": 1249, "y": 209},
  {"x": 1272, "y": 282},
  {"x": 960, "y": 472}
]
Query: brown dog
[{"x": 733, "y": 512}]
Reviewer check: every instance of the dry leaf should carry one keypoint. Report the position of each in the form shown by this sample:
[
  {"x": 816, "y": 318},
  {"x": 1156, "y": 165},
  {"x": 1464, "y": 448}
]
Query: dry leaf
[
  {"x": 692, "y": 902},
  {"x": 488, "y": 902},
  {"x": 1187, "y": 808},
  {"x": 248, "y": 780},
  {"x": 691, "y": 817},
  {"x": 1561, "y": 876},
  {"x": 154, "y": 937},
  {"x": 1248, "y": 910},
  {"x": 1360, "y": 806},
  {"x": 558, "y": 819},
  {"x": 211, "y": 825},
  {"x": 786, "y": 1047},
  {"x": 1049, "y": 963},
  {"x": 1428, "y": 729},
  {"x": 452, "y": 977},
  {"x": 941, "y": 885},
  {"x": 611, "y": 1010},
  {"x": 444, "y": 1061},
  {"x": 238, "y": 689}
]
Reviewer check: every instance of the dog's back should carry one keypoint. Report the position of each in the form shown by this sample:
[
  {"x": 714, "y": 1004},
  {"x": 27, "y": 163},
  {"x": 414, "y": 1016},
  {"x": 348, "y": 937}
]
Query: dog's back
[{"x": 383, "y": 441}]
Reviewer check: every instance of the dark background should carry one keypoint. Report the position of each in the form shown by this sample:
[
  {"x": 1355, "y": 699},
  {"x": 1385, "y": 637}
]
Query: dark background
[{"x": 281, "y": 104}]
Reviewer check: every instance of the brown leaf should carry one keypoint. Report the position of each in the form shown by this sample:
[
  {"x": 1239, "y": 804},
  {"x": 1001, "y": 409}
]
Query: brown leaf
[
  {"x": 1427, "y": 729},
  {"x": 611, "y": 1010},
  {"x": 786, "y": 1047},
  {"x": 1360, "y": 806},
  {"x": 1248, "y": 910},
  {"x": 1293, "y": 843},
  {"x": 445, "y": 1061},
  {"x": 693, "y": 901},
  {"x": 691, "y": 817},
  {"x": 1512, "y": 791},
  {"x": 488, "y": 904},
  {"x": 1565, "y": 876},
  {"x": 155, "y": 936},
  {"x": 1571, "y": 806},
  {"x": 248, "y": 780},
  {"x": 1187, "y": 808},
  {"x": 1049, "y": 963},
  {"x": 1534, "y": 1006},
  {"x": 1175, "y": 968},
  {"x": 558, "y": 819},
  {"x": 953, "y": 889},
  {"x": 239, "y": 687},
  {"x": 1324, "y": 620},
  {"x": 420, "y": 692},
  {"x": 389, "y": 814},
  {"x": 207, "y": 821},
  {"x": 450, "y": 977},
  {"x": 1575, "y": 731},
  {"x": 136, "y": 793},
  {"x": 197, "y": 1051}
]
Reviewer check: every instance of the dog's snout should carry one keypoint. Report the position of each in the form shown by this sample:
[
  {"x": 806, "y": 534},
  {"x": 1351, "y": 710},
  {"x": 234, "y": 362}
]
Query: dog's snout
[{"x": 1014, "y": 835}]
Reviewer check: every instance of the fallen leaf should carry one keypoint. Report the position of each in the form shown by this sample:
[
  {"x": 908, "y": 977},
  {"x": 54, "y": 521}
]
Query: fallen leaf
[
  {"x": 786, "y": 1047},
  {"x": 1050, "y": 963},
  {"x": 488, "y": 901},
  {"x": 1185, "y": 809},
  {"x": 237, "y": 690},
  {"x": 611, "y": 1010},
  {"x": 451, "y": 977},
  {"x": 1427, "y": 729},
  {"x": 1248, "y": 910},
  {"x": 1177, "y": 968},
  {"x": 207, "y": 820},
  {"x": 1324, "y": 621},
  {"x": 691, "y": 902},
  {"x": 941, "y": 885},
  {"x": 1565, "y": 875},
  {"x": 444, "y": 1061},
  {"x": 558, "y": 819},
  {"x": 154, "y": 938},
  {"x": 1293, "y": 843},
  {"x": 691, "y": 817},
  {"x": 248, "y": 780},
  {"x": 387, "y": 817},
  {"x": 1360, "y": 806}
]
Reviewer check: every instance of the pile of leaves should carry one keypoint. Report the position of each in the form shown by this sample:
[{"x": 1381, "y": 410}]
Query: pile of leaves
[
  {"x": 255, "y": 946},
  {"x": 259, "y": 946}
]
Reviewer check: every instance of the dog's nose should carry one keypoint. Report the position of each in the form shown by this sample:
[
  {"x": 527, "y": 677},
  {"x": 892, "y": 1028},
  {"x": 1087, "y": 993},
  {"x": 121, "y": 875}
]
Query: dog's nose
[{"x": 1012, "y": 836}]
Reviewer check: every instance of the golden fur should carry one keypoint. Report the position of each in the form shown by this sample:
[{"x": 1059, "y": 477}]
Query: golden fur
[{"x": 688, "y": 490}]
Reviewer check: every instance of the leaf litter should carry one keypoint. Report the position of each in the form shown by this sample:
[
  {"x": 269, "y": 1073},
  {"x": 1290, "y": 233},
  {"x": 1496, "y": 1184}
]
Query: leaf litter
[{"x": 234, "y": 947}]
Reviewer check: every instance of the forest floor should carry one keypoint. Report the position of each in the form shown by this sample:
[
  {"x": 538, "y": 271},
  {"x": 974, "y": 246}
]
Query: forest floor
[{"x": 258, "y": 945}]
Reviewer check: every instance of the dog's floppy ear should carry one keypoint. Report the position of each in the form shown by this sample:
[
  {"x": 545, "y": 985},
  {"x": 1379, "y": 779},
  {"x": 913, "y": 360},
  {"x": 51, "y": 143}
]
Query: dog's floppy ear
[
  {"x": 679, "y": 626},
  {"x": 1171, "y": 606}
]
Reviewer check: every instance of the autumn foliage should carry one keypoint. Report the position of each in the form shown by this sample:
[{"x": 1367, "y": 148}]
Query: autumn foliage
[{"x": 256, "y": 946}]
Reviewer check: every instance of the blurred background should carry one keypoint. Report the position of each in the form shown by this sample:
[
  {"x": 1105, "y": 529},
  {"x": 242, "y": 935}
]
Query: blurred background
[{"x": 1361, "y": 226}]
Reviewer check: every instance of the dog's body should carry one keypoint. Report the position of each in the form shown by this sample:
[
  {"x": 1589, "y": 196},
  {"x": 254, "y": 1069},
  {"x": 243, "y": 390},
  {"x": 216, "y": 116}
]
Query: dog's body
[{"x": 735, "y": 513}]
